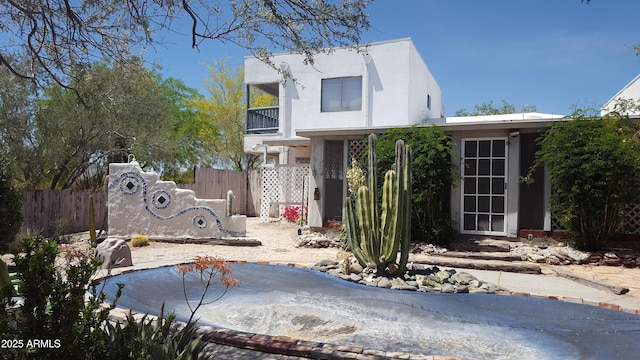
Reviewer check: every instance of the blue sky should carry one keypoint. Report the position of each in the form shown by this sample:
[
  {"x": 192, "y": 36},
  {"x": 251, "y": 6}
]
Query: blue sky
[{"x": 554, "y": 54}]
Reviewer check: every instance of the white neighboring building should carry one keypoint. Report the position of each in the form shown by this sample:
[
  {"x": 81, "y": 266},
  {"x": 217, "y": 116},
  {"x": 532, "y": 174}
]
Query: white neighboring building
[
  {"x": 630, "y": 92},
  {"x": 386, "y": 85}
]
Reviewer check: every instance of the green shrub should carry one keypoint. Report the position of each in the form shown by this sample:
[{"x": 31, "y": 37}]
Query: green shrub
[
  {"x": 10, "y": 207},
  {"x": 594, "y": 169},
  {"x": 55, "y": 309},
  {"x": 60, "y": 230},
  {"x": 54, "y": 304},
  {"x": 433, "y": 176}
]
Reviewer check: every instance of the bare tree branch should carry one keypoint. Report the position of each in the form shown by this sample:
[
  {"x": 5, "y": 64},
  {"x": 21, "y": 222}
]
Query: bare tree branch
[{"x": 56, "y": 36}]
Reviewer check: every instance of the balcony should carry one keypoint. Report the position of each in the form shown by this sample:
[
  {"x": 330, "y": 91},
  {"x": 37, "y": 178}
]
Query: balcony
[{"x": 262, "y": 120}]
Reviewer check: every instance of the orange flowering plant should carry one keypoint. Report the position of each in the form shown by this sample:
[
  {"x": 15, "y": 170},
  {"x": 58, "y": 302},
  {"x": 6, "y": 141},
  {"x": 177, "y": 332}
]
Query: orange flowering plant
[{"x": 210, "y": 270}]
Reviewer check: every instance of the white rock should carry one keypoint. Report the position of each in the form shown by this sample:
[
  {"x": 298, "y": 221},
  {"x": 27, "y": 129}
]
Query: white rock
[{"x": 114, "y": 253}]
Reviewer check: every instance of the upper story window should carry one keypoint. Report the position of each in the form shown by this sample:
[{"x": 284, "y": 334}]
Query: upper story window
[
  {"x": 428, "y": 101},
  {"x": 342, "y": 94}
]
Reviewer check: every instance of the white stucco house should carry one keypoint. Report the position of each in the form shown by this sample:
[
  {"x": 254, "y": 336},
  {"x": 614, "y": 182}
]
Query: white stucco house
[
  {"x": 324, "y": 114},
  {"x": 387, "y": 84}
]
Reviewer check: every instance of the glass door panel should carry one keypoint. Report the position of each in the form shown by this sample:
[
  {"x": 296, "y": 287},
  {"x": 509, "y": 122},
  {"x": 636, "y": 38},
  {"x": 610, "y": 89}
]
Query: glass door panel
[{"x": 484, "y": 186}]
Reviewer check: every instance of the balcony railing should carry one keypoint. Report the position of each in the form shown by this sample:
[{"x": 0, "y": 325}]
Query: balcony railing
[{"x": 262, "y": 120}]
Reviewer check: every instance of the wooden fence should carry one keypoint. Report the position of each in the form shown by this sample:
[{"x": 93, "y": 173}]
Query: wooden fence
[
  {"x": 68, "y": 210},
  {"x": 43, "y": 210}
]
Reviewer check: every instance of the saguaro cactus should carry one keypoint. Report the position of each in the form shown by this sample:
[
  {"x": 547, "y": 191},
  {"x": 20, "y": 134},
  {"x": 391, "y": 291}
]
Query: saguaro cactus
[{"x": 376, "y": 237}]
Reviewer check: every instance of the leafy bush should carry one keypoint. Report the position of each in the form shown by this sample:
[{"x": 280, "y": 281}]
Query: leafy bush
[
  {"x": 54, "y": 304},
  {"x": 60, "y": 230},
  {"x": 56, "y": 310},
  {"x": 10, "y": 207},
  {"x": 433, "y": 176},
  {"x": 594, "y": 170},
  {"x": 139, "y": 240}
]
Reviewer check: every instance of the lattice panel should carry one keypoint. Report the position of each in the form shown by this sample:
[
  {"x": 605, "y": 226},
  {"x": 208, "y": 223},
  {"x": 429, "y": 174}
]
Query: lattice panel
[
  {"x": 283, "y": 185},
  {"x": 357, "y": 149},
  {"x": 555, "y": 224},
  {"x": 631, "y": 220}
]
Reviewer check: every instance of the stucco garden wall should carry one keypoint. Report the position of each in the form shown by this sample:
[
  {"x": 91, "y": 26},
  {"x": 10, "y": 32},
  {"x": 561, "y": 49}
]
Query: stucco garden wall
[{"x": 140, "y": 203}]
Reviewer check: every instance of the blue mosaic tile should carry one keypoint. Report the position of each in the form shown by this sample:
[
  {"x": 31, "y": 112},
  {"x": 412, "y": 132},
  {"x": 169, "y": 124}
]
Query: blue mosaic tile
[
  {"x": 200, "y": 222},
  {"x": 161, "y": 199}
]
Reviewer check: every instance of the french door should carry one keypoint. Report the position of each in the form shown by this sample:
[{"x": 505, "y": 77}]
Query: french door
[{"x": 484, "y": 194}]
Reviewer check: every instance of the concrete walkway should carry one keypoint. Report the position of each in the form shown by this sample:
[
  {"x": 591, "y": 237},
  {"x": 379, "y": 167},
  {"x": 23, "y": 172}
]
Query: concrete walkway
[{"x": 558, "y": 288}]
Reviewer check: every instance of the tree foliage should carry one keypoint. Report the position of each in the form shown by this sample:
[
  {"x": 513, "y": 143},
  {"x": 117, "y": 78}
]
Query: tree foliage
[
  {"x": 594, "y": 169},
  {"x": 222, "y": 116},
  {"x": 490, "y": 109},
  {"x": 10, "y": 206},
  {"x": 433, "y": 176},
  {"x": 56, "y": 140},
  {"x": 60, "y": 35}
]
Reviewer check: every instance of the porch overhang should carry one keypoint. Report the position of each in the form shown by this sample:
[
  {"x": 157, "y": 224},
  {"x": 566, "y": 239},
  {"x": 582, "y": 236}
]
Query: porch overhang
[
  {"x": 493, "y": 122},
  {"x": 292, "y": 142}
]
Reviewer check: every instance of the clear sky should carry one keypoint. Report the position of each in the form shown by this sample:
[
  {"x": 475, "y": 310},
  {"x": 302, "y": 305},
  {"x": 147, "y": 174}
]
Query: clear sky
[{"x": 553, "y": 54}]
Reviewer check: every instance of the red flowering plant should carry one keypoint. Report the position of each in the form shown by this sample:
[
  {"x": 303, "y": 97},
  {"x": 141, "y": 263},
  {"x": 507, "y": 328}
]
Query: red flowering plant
[
  {"x": 293, "y": 214},
  {"x": 210, "y": 270}
]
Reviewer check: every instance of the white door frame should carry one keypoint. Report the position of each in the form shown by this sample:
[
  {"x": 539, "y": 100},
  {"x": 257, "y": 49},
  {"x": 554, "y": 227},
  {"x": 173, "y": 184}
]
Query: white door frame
[{"x": 483, "y": 196}]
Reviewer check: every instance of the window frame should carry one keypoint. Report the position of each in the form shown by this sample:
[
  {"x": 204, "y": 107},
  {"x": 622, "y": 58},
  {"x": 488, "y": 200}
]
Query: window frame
[{"x": 344, "y": 103}]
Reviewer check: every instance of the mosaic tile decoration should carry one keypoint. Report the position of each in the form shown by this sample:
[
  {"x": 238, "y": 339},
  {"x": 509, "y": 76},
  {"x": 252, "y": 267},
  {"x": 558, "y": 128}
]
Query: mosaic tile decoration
[
  {"x": 161, "y": 199},
  {"x": 130, "y": 184}
]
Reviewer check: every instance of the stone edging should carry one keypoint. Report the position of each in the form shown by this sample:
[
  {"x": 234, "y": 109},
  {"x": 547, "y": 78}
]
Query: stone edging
[{"x": 317, "y": 350}]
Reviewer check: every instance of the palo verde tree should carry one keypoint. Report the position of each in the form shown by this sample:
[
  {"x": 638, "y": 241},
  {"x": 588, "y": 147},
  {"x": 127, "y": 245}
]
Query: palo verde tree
[
  {"x": 433, "y": 176},
  {"x": 593, "y": 166},
  {"x": 221, "y": 117},
  {"x": 60, "y": 35}
]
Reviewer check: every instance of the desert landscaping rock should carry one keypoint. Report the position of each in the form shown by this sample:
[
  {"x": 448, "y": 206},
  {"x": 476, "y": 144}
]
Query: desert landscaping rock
[
  {"x": 114, "y": 253},
  {"x": 417, "y": 278}
]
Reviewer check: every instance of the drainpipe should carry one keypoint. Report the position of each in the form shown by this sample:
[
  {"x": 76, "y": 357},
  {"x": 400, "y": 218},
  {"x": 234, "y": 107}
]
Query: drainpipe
[
  {"x": 283, "y": 114},
  {"x": 365, "y": 94}
]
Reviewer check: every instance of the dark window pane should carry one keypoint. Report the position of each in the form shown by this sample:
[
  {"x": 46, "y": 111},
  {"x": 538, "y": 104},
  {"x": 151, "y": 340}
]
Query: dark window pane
[
  {"x": 484, "y": 185},
  {"x": 484, "y": 148},
  {"x": 498, "y": 148},
  {"x": 483, "y": 204},
  {"x": 469, "y": 185},
  {"x": 331, "y": 95},
  {"x": 483, "y": 222},
  {"x": 470, "y": 222},
  {"x": 497, "y": 204},
  {"x": 341, "y": 94},
  {"x": 469, "y": 203},
  {"x": 497, "y": 185},
  {"x": 352, "y": 93},
  {"x": 470, "y": 149},
  {"x": 470, "y": 167},
  {"x": 497, "y": 223},
  {"x": 484, "y": 167},
  {"x": 497, "y": 167}
]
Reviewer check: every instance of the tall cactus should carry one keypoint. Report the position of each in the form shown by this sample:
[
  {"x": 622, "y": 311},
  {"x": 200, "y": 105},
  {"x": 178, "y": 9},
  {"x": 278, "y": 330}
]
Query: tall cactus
[
  {"x": 92, "y": 223},
  {"x": 375, "y": 238}
]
